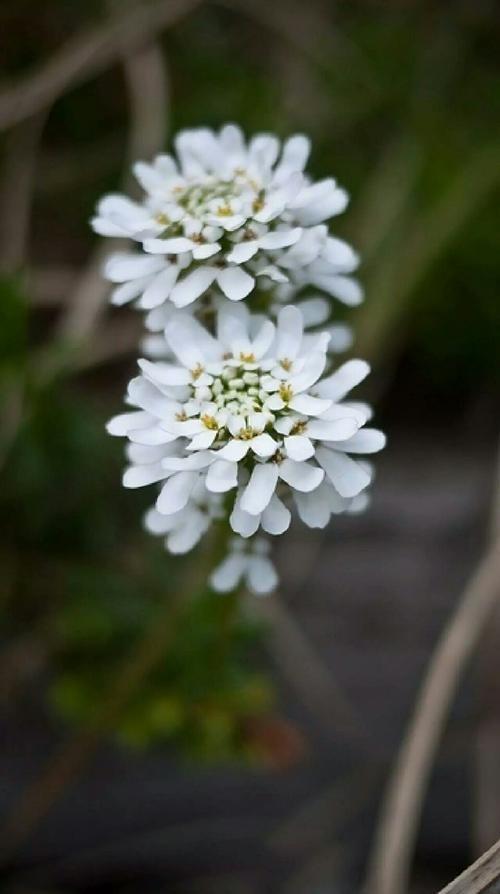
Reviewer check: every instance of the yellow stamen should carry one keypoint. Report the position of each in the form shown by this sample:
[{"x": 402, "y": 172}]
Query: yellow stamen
[
  {"x": 197, "y": 371},
  {"x": 285, "y": 392},
  {"x": 299, "y": 428},
  {"x": 247, "y": 358},
  {"x": 246, "y": 434},
  {"x": 181, "y": 417},
  {"x": 209, "y": 422},
  {"x": 286, "y": 364}
]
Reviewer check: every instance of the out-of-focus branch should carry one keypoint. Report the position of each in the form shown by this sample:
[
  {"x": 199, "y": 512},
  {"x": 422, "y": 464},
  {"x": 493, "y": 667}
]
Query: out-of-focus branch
[
  {"x": 398, "y": 824},
  {"x": 408, "y": 259},
  {"x": 87, "y": 55},
  {"x": 16, "y": 190},
  {"x": 479, "y": 878},
  {"x": 302, "y": 667},
  {"x": 37, "y": 800}
]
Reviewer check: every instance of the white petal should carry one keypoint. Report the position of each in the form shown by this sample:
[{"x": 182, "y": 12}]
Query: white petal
[
  {"x": 310, "y": 373},
  {"x": 184, "y": 538},
  {"x": 263, "y": 445},
  {"x": 242, "y": 522},
  {"x": 175, "y": 246},
  {"x": 232, "y": 324},
  {"x": 299, "y": 447},
  {"x": 263, "y": 151},
  {"x": 121, "y": 267},
  {"x": 203, "y": 440},
  {"x": 151, "y": 437},
  {"x": 315, "y": 311},
  {"x": 235, "y": 283},
  {"x": 341, "y": 337},
  {"x": 261, "y": 575},
  {"x": 289, "y": 332},
  {"x": 313, "y": 508},
  {"x": 318, "y": 202},
  {"x": 275, "y": 402},
  {"x": 156, "y": 523},
  {"x": 119, "y": 426},
  {"x": 343, "y": 380},
  {"x": 263, "y": 340},
  {"x": 280, "y": 238},
  {"x": 368, "y": 440},
  {"x": 129, "y": 290},
  {"x": 139, "y": 476},
  {"x": 344, "y": 288},
  {"x": 139, "y": 454},
  {"x": 334, "y": 430},
  {"x": 260, "y": 488},
  {"x": 308, "y": 405},
  {"x": 300, "y": 476},
  {"x": 193, "y": 462},
  {"x": 204, "y": 251},
  {"x": 176, "y": 492},
  {"x": 347, "y": 476},
  {"x": 228, "y": 574},
  {"x": 234, "y": 451},
  {"x": 192, "y": 286},
  {"x": 165, "y": 373},
  {"x": 242, "y": 252},
  {"x": 190, "y": 341},
  {"x": 295, "y": 154},
  {"x": 341, "y": 254},
  {"x": 143, "y": 393},
  {"x": 222, "y": 476},
  {"x": 276, "y": 517},
  {"x": 160, "y": 288}
]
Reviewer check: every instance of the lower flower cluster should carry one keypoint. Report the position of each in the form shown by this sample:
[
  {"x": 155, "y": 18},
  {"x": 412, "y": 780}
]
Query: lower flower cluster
[{"x": 245, "y": 420}]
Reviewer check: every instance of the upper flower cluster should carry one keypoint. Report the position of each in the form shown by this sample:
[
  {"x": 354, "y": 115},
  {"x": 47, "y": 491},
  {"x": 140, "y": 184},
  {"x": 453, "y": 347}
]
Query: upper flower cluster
[{"x": 227, "y": 216}]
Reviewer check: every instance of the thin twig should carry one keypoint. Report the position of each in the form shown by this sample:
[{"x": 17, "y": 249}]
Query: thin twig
[
  {"x": 87, "y": 55},
  {"x": 479, "y": 878},
  {"x": 398, "y": 824},
  {"x": 486, "y": 812},
  {"x": 303, "y": 668},
  {"x": 147, "y": 83},
  {"x": 16, "y": 190}
]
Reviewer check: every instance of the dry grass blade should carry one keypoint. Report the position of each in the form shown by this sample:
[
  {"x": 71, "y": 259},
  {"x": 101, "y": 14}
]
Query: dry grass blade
[
  {"x": 87, "y": 55},
  {"x": 480, "y": 878},
  {"x": 397, "y": 828}
]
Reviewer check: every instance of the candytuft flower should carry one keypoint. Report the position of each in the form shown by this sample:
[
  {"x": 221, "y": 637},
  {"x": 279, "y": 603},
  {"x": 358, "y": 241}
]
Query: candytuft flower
[{"x": 227, "y": 215}]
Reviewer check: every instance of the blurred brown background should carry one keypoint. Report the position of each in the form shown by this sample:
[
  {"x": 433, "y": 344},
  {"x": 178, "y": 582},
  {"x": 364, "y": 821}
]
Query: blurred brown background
[{"x": 155, "y": 738}]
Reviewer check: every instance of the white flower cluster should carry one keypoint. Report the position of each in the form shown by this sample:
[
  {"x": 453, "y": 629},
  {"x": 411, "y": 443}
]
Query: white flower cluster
[{"x": 244, "y": 417}]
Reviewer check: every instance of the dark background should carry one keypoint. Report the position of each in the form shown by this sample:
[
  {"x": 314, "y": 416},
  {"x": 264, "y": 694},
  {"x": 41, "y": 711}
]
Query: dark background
[{"x": 155, "y": 737}]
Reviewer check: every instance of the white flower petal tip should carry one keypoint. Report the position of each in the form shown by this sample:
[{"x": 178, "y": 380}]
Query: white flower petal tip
[{"x": 246, "y": 566}]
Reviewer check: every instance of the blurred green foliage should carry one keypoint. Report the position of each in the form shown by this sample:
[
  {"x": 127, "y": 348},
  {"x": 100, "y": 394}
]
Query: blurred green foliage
[{"x": 402, "y": 102}]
